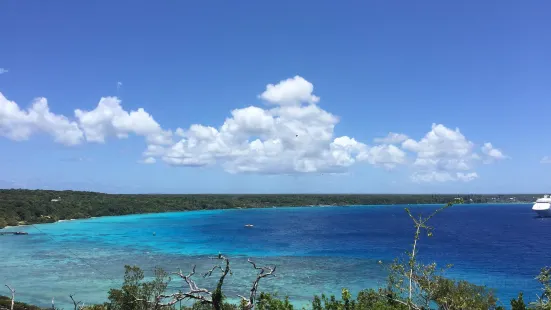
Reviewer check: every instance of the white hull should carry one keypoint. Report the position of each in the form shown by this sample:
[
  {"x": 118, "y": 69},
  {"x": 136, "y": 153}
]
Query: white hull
[{"x": 542, "y": 206}]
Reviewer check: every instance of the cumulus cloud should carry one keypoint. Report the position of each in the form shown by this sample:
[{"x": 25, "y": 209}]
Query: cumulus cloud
[
  {"x": 110, "y": 119},
  {"x": 291, "y": 91},
  {"x": 293, "y": 134},
  {"x": 546, "y": 160},
  {"x": 19, "y": 124},
  {"x": 107, "y": 119},
  {"x": 279, "y": 140},
  {"x": 441, "y": 149},
  {"x": 2, "y": 70},
  {"x": 445, "y": 154},
  {"x": 388, "y": 156},
  {"x": 392, "y": 138}
]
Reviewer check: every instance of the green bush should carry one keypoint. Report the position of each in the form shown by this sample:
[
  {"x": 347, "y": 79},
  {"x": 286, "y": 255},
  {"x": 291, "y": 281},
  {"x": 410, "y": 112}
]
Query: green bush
[{"x": 5, "y": 302}]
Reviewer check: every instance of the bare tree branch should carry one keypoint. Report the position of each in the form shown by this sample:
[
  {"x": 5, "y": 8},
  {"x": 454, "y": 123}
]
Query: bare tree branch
[
  {"x": 77, "y": 304},
  {"x": 194, "y": 292},
  {"x": 224, "y": 271},
  {"x": 193, "y": 288},
  {"x": 215, "y": 298},
  {"x": 264, "y": 272},
  {"x": 12, "y": 296}
]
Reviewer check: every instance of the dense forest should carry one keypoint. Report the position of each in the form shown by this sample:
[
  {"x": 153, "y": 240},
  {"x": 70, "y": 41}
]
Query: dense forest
[{"x": 19, "y": 206}]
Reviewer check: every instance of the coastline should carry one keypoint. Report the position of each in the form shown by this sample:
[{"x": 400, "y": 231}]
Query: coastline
[
  {"x": 257, "y": 208},
  {"x": 19, "y": 206}
]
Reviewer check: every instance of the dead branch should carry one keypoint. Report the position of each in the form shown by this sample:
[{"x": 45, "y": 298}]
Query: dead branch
[
  {"x": 204, "y": 295},
  {"x": 12, "y": 296},
  {"x": 224, "y": 271},
  {"x": 265, "y": 271},
  {"x": 195, "y": 292},
  {"x": 77, "y": 304}
]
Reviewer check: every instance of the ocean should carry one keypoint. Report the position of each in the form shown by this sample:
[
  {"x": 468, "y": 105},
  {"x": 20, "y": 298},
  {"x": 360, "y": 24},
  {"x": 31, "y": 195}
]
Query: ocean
[{"x": 316, "y": 249}]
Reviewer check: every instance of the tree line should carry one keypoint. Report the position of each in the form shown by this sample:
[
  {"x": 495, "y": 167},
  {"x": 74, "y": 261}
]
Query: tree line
[{"x": 18, "y": 206}]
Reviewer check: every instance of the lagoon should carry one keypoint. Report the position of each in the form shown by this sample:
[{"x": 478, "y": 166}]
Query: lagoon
[{"x": 316, "y": 249}]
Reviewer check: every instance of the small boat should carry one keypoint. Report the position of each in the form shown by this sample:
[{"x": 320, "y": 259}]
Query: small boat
[
  {"x": 249, "y": 225},
  {"x": 542, "y": 206},
  {"x": 21, "y": 233}
]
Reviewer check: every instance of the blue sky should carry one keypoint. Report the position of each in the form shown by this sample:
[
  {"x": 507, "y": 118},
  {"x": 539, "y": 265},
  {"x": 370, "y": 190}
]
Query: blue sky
[{"x": 343, "y": 74}]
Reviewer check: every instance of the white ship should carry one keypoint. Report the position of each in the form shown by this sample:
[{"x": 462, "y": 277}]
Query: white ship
[{"x": 542, "y": 206}]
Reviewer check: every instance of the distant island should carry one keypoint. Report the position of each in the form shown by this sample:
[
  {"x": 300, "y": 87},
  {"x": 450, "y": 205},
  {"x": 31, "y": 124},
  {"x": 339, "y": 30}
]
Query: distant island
[{"x": 20, "y": 207}]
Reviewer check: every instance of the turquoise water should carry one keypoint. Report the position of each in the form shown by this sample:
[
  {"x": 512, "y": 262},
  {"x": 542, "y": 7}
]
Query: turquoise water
[{"x": 316, "y": 249}]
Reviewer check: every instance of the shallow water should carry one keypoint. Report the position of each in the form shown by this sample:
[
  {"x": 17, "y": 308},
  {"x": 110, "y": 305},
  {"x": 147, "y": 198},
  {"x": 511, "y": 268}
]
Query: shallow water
[{"x": 317, "y": 249}]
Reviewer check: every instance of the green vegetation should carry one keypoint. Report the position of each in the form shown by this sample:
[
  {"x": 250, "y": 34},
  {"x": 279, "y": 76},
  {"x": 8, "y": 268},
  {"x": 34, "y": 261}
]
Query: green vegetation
[
  {"x": 42, "y": 206},
  {"x": 5, "y": 303}
]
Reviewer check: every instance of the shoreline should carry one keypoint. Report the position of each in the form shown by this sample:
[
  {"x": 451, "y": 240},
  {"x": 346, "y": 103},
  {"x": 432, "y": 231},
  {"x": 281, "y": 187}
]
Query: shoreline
[
  {"x": 259, "y": 208},
  {"x": 20, "y": 207}
]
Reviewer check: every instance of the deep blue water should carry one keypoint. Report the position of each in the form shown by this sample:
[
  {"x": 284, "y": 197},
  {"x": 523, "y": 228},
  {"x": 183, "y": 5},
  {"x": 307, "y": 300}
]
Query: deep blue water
[{"x": 317, "y": 249}]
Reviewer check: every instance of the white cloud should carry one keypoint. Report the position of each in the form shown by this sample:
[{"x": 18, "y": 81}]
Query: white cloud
[
  {"x": 293, "y": 135},
  {"x": 18, "y": 124},
  {"x": 2, "y": 70},
  {"x": 392, "y": 138},
  {"x": 291, "y": 91},
  {"x": 297, "y": 136},
  {"x": 154, "y": 150},
  {"x": 546, "y": 160},
  {"x": 440, "y": 142},
  {"x": 441, "y": 149},
  {"x": 107, "y": 119},
  {"x": 388, "y": 156},
  {"x": 110, "y": 119},
  {"x": 179, "y": 132},
  {"x": 446, "y": 155},
  {"x": 491, "y": 154}
]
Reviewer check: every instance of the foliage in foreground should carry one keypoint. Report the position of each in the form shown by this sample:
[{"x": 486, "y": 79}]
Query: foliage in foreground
[
  {"x": 410, "y": 286},
  {"x": 5, "y": 303}
]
